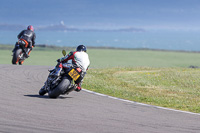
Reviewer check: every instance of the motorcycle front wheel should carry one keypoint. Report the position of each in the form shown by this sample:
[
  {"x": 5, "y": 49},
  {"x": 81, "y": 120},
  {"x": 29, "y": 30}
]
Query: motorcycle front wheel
[{"x": 16, "y": 57}]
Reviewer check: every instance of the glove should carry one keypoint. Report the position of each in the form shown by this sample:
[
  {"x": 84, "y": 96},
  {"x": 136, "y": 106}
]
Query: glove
[
  {"x": 78, "y": 89},
  {"x": 59, "y": 60}
]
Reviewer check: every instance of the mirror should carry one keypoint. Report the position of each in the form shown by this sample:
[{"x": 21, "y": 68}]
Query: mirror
[{"x": 64, "y": 52}]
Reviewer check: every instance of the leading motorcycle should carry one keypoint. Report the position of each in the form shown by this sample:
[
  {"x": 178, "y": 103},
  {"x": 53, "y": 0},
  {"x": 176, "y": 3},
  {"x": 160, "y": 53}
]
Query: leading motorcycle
[
  {"x": 69, "y": 77},
  {"x": 19, "y": 52}
]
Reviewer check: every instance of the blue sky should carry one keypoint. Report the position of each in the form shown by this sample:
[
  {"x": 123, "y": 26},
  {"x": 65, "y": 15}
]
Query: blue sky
[{"x": 160, "y": 14}]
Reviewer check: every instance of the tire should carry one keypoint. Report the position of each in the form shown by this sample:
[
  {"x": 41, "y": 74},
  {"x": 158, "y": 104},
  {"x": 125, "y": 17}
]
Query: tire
[
  {"x": 15, "y": 58},
  {"x": 60, "y": 89},
  {"x": 21, "y": 62},
  {"x": 42, "y": 91}
]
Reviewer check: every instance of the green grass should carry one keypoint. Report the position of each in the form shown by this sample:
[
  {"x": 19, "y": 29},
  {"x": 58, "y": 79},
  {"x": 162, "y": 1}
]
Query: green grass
[
  {"x": 159, "y": 78},
  {"x": 107, "y": 58},
  {"x": 177, "y": 88},
  {"x": 101, "y": 58}
]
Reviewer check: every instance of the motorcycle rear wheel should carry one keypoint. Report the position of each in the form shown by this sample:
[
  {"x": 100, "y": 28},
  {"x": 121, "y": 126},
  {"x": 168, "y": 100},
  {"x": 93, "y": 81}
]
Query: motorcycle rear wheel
[
  {"x": 60, "y": 89},
  {"x": 21, "y": 62}
]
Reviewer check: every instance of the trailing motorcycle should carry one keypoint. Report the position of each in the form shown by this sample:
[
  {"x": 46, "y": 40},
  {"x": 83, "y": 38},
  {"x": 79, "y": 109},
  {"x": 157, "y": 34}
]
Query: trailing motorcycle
[
  {"x": 19, "y": 52},
  {"x": 69, "y": 77}
]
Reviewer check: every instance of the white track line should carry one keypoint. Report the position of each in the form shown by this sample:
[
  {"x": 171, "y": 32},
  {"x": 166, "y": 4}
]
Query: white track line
[{"x": 128, "y": 101}]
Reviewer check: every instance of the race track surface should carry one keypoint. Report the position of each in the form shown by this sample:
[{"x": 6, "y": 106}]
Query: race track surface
[{"x": 22, "y": 110}]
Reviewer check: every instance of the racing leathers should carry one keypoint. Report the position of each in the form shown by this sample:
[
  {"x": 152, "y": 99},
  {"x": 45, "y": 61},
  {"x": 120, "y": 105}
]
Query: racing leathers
[
  {"x": 29, "y": 36},
  {"x": 79, "y": 59}
]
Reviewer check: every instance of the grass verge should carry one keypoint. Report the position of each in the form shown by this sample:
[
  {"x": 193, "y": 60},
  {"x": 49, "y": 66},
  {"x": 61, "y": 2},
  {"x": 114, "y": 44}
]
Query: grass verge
[{"x": 177, "y": 88}]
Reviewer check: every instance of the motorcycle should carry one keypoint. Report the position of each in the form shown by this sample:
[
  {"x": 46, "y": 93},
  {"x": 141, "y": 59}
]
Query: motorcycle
[
  {"x": 69, "y": 77},
  {"x": 19, "y": 52}
]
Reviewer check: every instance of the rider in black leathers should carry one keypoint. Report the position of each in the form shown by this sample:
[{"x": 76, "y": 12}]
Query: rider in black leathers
[{"x": 29, "y": 36}]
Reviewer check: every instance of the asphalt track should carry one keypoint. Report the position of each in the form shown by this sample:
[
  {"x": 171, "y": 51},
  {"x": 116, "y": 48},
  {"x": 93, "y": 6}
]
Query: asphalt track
[{"x": 22, "y": 110}]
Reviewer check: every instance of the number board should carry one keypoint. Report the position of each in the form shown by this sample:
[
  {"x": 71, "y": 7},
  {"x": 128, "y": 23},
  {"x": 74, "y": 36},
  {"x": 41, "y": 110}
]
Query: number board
[{"x": 74, "y": 74}]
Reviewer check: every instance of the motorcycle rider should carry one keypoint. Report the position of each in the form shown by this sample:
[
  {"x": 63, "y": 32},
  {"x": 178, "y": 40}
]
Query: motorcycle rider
[
  {"x": 79, "y": 58},
  {"x": 29, "y": 36}
]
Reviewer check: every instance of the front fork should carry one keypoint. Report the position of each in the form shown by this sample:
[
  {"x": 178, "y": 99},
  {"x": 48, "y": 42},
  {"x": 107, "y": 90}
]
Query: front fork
[
  {"x": 16, "y": 46},
  {"x": 51, "y": 81}
]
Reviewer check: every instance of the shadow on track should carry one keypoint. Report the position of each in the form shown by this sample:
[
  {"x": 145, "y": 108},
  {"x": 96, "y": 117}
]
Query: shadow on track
[{"x": 46, "y": 97}]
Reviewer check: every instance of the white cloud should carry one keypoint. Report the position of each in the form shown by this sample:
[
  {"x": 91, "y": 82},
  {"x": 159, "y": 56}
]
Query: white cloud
[{"x": 62, "y": 23}]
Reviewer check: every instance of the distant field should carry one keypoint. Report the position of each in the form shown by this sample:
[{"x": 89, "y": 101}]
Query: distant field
[{"x": 106, "y": 58}]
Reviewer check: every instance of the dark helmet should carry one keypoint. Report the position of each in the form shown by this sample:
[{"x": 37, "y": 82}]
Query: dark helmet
[
  {"x": 30, "y": 27},
  {"x": 81, "y": 48}
]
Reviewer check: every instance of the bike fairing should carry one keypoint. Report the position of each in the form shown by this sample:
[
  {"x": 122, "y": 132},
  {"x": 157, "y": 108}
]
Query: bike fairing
[{"x": 68, "y": 72}]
